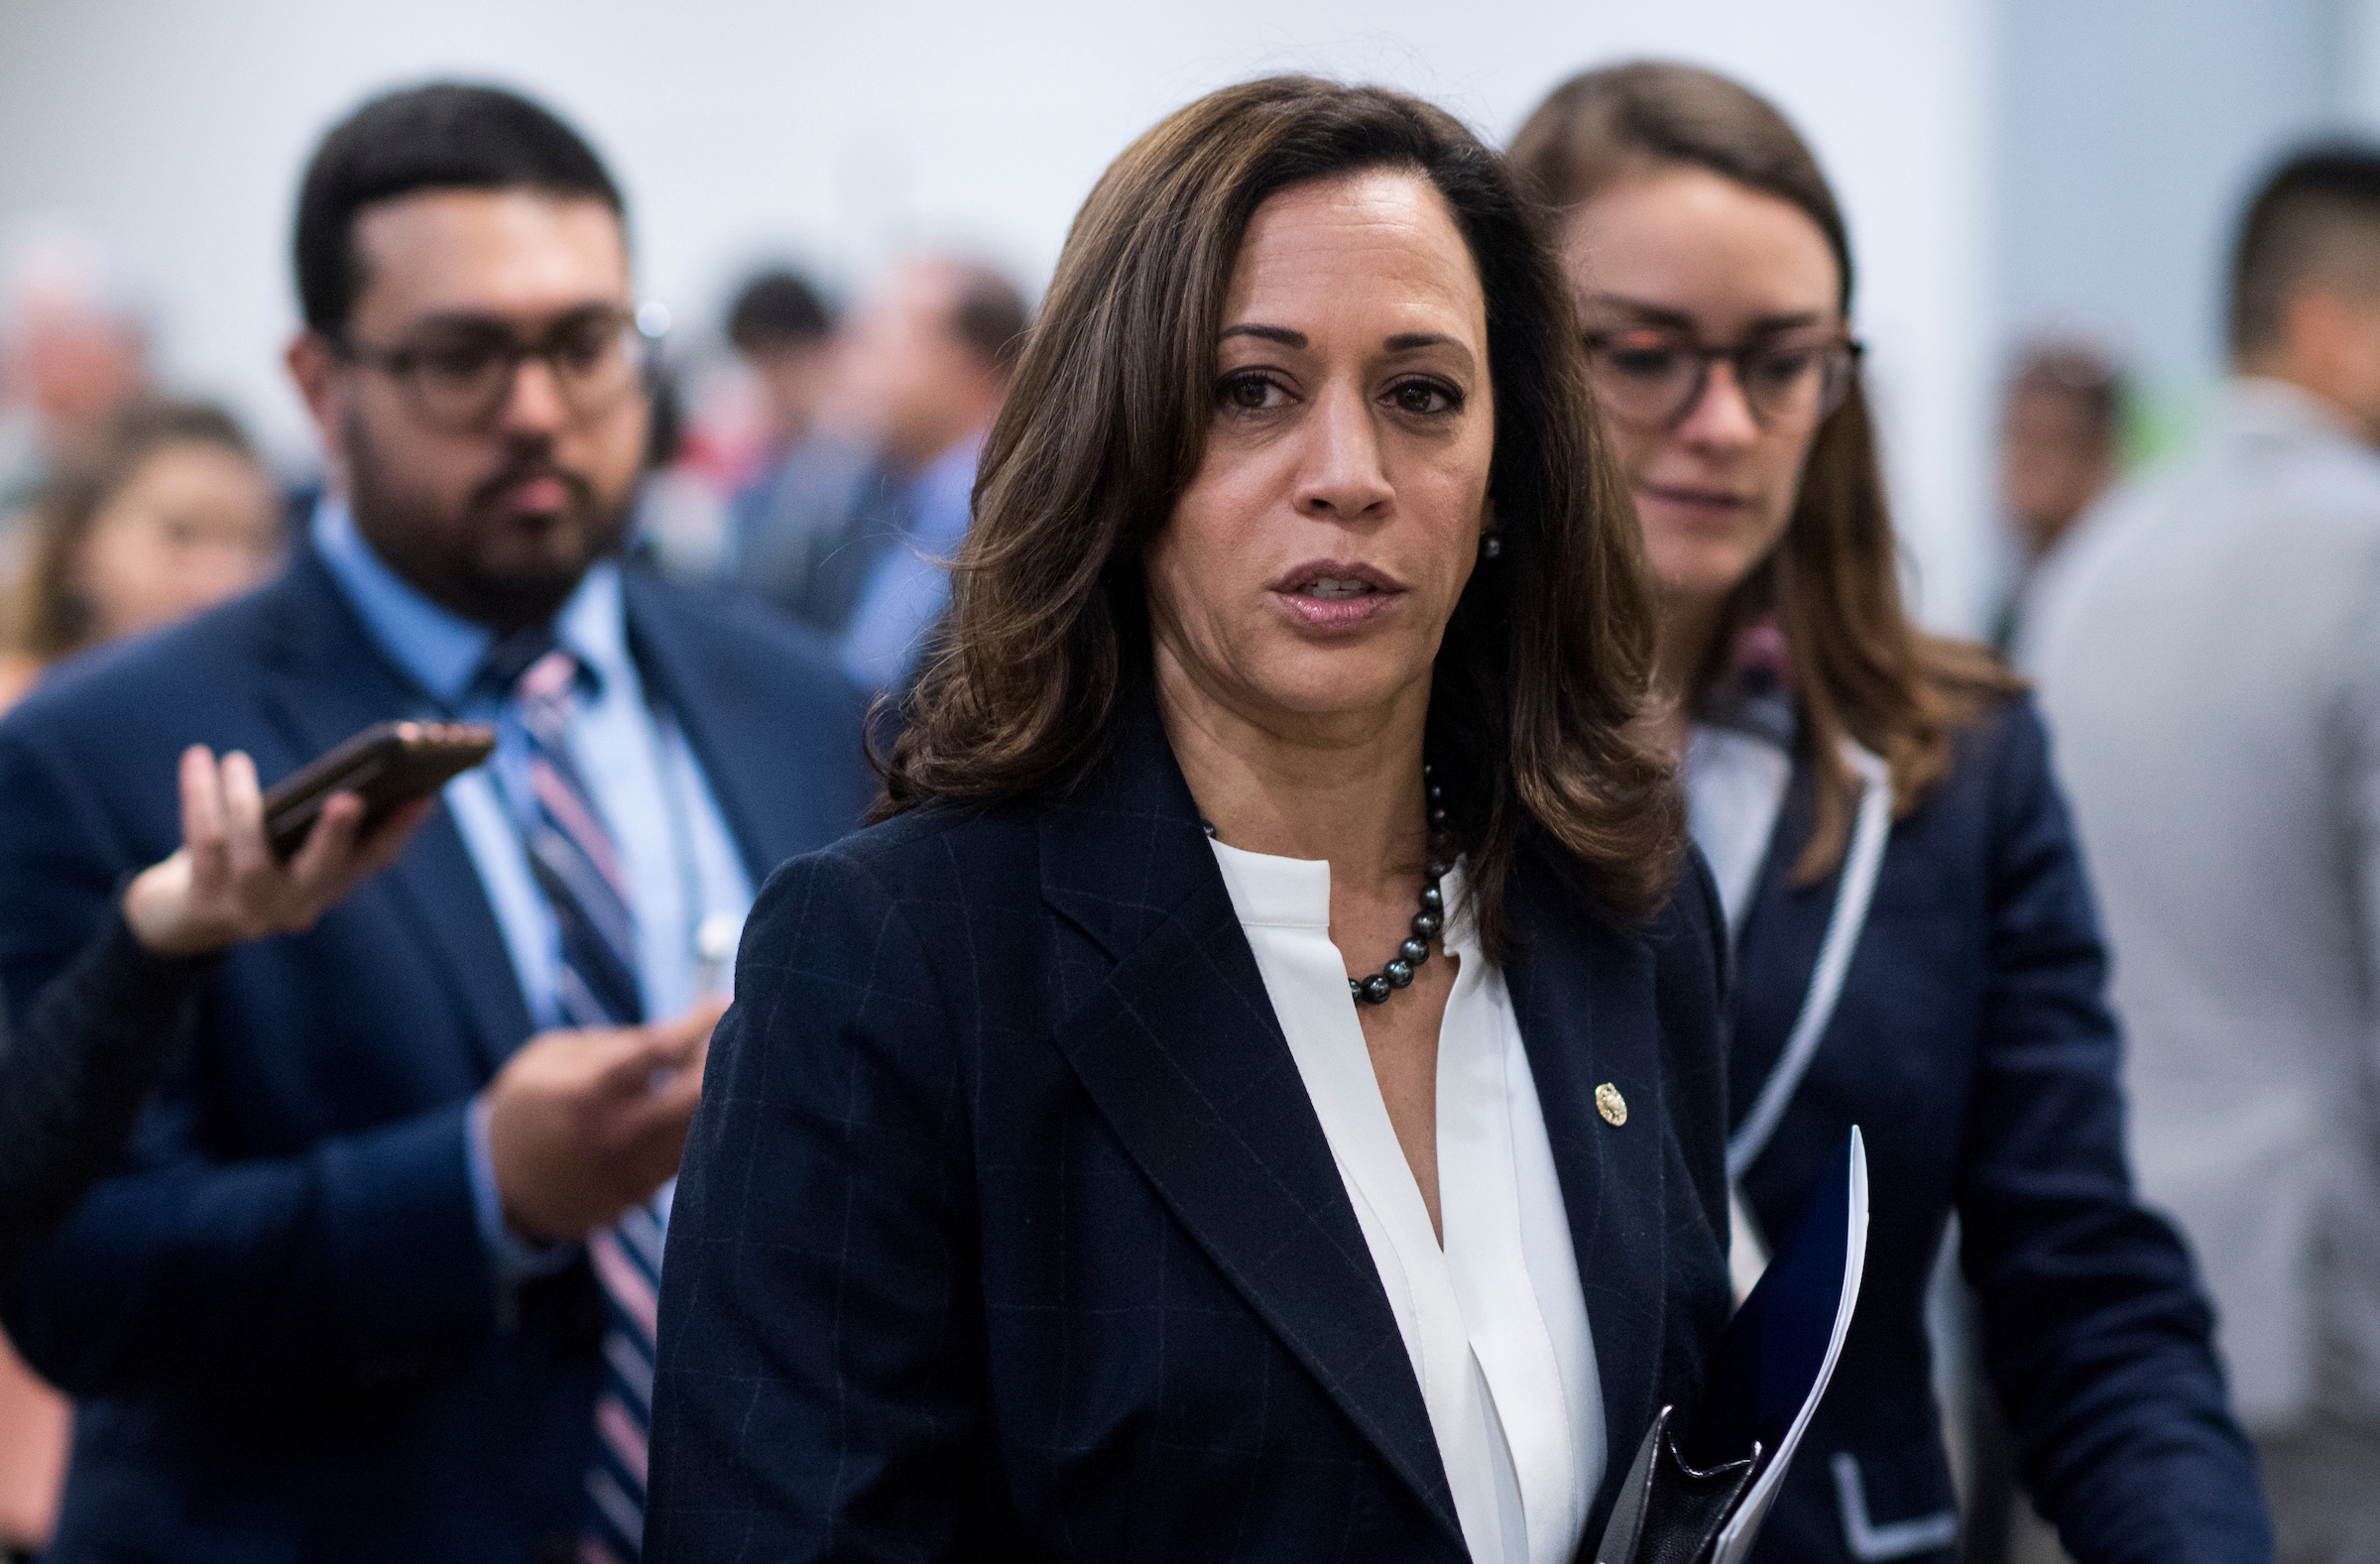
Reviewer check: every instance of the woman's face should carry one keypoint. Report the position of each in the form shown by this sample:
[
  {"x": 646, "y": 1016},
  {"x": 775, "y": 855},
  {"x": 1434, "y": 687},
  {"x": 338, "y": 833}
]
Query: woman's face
[
  {"x": 1683, "y": 257},
  {"x": 1309, "y": 570},
  {"x": 194, "y": 524}
]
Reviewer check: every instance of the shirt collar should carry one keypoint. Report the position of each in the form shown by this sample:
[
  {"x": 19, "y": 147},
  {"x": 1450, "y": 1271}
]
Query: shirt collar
[
  {"x": 438, "y": 647},
  {"x": 2258, "y": 404},
  {"x": 594, "y": 623},
  {"x": 1270, "y": 891},
  {"x": 942, "y": 496}
]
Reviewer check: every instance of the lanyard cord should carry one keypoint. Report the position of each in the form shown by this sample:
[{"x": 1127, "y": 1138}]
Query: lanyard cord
[{"x": 701, "y": 926}]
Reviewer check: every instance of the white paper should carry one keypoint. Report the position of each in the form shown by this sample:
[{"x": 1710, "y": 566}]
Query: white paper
[{"x": 1735, "y": 1541}]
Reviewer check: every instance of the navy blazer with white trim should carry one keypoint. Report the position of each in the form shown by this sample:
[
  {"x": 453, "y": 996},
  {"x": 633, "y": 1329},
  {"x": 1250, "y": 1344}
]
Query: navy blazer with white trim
[{"x": 1972, "y": 1043}]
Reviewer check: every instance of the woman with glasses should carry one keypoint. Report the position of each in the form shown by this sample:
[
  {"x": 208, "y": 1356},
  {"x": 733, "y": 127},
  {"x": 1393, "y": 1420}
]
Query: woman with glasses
[{"x": 1917, "y": 949}]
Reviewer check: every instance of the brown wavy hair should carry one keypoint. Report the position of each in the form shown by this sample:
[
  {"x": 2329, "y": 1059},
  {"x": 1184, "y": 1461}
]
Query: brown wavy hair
[
  {"x": 1539, "y": 696},
  {"x": 52, "y": 619},
  {"x": 1860, "y": 666}
]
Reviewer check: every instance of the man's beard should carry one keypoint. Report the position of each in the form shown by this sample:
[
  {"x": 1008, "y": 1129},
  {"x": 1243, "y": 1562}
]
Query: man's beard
[{"x": 444, "y": 556}]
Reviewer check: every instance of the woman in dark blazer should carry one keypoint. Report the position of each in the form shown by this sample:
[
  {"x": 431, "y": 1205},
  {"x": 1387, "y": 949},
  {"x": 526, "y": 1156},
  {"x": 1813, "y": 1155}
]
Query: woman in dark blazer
[
  {"x": 1917, "y": 948},
  {"x": 1186, "y": 1128}
]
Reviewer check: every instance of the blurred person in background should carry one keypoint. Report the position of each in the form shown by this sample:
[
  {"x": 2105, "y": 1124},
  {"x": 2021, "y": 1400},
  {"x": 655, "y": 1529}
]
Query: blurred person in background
[
  {"x": 680, "y": 523},
  {"x": 2210, "y": 659},
  {"x": 376, "y": 1279},
  {"x": 781, "y": 330},
  {"x": 927, "y": 355},
  {"x": 1917, "y": 951},
  {"x": 73, "y": 348},
  {"x": 170, "y": 512},
  {"x": 942, "y": 359},
  {"x": 818, "y": 442},
  {"x": 2061, "y": 445}
]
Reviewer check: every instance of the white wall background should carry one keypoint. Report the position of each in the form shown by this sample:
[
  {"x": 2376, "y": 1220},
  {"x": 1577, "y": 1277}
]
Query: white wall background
[
  {"x": 2130, "y": 133},
  {"x": 840, "y": 133}
]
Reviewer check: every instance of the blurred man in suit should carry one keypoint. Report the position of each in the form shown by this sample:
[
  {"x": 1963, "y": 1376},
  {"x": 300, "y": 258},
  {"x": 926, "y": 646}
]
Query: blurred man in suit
[
  {"x": 376, "y": 1280},
  {"x": 928, "y": 357},
  {"x": 781, "y": 330},
  {"x": 2210, "y": 657},
  {"x": 816, "y": 448}
]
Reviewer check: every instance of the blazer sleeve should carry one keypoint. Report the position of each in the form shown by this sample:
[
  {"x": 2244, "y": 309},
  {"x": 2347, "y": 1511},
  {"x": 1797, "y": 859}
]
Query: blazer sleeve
[
  {"x": 2095, "y": 1331},
  {"x": 350, "y": 1262},
  {"x": 72, "y": 1077},
  {"x": 820, "y": 1384}
]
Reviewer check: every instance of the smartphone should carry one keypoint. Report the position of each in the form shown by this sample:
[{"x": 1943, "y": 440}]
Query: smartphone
[{"x": 388, "y": 765}]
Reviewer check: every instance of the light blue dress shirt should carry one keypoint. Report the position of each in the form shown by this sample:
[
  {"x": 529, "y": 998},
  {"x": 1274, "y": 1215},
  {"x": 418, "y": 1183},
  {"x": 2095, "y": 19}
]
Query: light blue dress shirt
[
  {"x": 691, "y": 891},
  {"x": 909, "y": 586}
]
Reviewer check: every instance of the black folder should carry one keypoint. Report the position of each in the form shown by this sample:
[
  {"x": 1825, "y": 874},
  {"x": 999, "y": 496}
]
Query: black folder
[{"x": 1698, "y": 1489}]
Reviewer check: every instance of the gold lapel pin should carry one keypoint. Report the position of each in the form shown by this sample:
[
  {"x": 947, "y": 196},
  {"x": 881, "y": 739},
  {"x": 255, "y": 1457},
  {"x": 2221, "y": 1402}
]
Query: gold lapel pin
[{"x": 1612, "y": 1106}]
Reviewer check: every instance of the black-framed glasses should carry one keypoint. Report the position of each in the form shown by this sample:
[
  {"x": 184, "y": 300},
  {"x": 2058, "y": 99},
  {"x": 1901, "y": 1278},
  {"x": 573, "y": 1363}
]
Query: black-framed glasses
[
  {"x": 1655, "y": 376},
  {"x": 458, "y": 376}
]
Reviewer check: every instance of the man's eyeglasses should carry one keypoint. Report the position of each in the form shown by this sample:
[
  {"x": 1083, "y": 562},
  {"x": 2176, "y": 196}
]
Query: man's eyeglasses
[
  {"x": 458, "y": 378},
  {"x": 1655, "y": 376}
]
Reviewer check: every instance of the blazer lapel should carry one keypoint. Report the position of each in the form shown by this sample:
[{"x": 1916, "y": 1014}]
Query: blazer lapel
[
  {"x": 1777, "y": 949},
  {"x": 1172, "y": 1034},
  {"x": 1583, "y": 994},
  {"x": 327, "y": 682}
]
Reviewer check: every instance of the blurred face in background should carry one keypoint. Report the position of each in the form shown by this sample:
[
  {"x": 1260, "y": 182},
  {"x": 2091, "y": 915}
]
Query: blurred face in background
[
  {"x": 73, "y": 367},
  {"x": 2330, "y": 345},
  {"x": 1680, "y": 258},
  {"x": 193, "y": 524},
  {"x": 2056, "y": 456},
  {"x": 490, "y": 490},
  {"x": 794, "y": 374},
  {"x": 1310, "y": 567},
  {"x": 924, "y": 388}
]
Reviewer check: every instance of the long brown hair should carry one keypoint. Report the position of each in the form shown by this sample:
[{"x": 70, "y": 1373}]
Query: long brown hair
[
  {"x": 1860, "y": 666},
  {"x": 1541, "y": 681},
  {"x": 53, "y": 620}
]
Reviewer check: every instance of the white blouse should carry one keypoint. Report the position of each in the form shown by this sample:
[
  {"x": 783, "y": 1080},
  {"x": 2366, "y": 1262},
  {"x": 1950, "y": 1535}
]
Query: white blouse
[
  {"x": 1736, "y": 785},
  {"x": 1497, "y": 1317}
]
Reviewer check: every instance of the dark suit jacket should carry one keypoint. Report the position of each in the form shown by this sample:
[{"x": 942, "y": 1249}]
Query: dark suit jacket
[
  {"x": 279, "y": 1317},
  {"x": 1007, "y": 1231},
  {"x": 1972, "y": 1045}
]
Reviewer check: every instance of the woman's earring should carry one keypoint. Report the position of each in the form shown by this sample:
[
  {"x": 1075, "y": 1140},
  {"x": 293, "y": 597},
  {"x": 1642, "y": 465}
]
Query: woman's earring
[{"x": 1490, "y": 546}]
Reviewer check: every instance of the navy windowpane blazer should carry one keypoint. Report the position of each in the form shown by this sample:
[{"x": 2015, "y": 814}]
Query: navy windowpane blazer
[{"x": 1007, "y": 1228}]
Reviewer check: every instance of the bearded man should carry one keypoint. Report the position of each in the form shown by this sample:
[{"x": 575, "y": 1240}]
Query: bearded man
[{"x": 376, "y": 1280}]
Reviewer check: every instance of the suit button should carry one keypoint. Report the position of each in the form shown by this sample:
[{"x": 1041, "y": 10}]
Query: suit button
[{"x": 1612, "y": 1106}]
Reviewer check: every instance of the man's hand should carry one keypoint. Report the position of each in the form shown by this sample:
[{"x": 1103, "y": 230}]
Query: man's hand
[
  {"x": 225, "y": 886},
  {"x": 583, "y": 1125}
]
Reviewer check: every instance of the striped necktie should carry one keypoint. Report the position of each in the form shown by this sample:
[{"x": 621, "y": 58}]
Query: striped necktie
[{"x": 577, "y": 866}]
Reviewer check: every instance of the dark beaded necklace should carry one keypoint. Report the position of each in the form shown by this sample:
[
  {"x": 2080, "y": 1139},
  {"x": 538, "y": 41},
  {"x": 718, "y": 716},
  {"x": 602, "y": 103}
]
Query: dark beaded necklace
[
  {"x": 1427, "y": 922},
  {"x": 1415, "y": 949}
]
